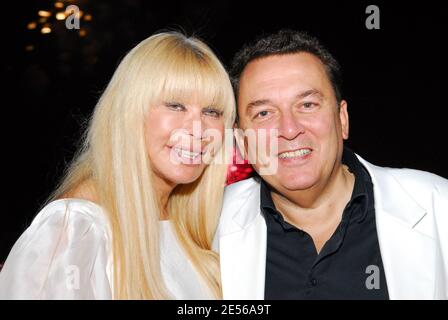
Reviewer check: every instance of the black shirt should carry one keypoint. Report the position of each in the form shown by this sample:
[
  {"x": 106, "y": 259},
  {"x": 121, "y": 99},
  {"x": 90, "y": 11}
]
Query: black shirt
[{"x": 349, "y": 265}]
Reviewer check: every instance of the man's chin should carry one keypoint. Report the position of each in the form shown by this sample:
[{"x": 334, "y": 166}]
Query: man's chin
[
  {"x": 298, "y": 187},
  {"x": 297, "y": 183}
]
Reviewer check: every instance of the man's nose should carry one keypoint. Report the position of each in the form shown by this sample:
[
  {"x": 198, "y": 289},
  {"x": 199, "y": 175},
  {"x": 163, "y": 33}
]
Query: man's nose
[{"x": 289, "y": 127}]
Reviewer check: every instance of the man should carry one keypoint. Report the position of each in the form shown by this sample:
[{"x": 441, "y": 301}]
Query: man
[{"x": 327, "y": 224}]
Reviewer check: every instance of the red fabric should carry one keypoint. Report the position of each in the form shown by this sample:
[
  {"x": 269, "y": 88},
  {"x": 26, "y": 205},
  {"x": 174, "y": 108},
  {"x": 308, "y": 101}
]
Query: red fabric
[{"x": 239, "y": 169}]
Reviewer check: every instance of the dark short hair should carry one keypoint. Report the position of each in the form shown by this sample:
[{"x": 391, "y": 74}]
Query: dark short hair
[{"x": 286, "y": 42}]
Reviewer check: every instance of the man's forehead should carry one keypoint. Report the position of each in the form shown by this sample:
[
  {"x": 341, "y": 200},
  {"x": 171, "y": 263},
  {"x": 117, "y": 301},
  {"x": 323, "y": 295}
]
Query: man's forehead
[
  {"x": 281, "y": 71},
  {"x": 283, "y": 85},
  {"x": 284, "y": 63}
]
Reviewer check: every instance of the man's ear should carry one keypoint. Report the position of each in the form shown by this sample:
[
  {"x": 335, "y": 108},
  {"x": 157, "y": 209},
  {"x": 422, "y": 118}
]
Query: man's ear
[
  {"x": 343, "y": 117},
  {"x": 238, "y": 133}
]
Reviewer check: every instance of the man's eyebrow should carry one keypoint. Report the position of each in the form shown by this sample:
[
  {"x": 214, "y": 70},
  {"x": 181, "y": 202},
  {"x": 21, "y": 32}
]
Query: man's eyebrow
[
  {"x": 308, "y": 93},
  {"x": 257, "y": 103},
  {"x": 301, "y": 95}
]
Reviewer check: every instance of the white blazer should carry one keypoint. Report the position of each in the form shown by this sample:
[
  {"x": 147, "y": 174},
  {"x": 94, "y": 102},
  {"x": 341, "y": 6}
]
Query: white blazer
[{"x": 412, "y": 223}]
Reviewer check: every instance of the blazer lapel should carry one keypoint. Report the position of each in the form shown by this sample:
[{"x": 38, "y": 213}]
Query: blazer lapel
[
  {"x": 243, "y": 262},
  {"x": 408, "y": 251},
  {"x": 243, "y": 252}
]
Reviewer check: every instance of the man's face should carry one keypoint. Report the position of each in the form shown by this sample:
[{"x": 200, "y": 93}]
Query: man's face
[{"x": 293, "y": 94}]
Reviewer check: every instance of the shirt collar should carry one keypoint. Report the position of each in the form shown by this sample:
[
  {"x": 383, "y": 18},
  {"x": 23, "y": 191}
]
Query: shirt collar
[{"x": 362, "y": 194}]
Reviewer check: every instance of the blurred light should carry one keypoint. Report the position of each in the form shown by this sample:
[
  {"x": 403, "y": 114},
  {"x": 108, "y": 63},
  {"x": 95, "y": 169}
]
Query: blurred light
[
  {"x": 82, "y": 33},
  {"x": 80, "y": 14},
  {"x": 42, "y": 20},
  {"x": 44, "y": 13},
  {"x": 31, "y": 26},
  {"x": 60, "y": 16},
  {"x": 29, "y": 47},
  {"x": 88, "y": 17},
  {"x": 59, "y": 5},
  {"x": 45, "y": 30}
]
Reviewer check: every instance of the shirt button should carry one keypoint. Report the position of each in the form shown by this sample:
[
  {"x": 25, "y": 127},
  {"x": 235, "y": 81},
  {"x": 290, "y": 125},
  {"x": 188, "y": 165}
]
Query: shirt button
[{"x": 313, "y": 282}]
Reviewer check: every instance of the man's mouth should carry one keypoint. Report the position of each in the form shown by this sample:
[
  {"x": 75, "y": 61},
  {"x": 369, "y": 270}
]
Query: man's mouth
[{"x": 295, "y": 154}]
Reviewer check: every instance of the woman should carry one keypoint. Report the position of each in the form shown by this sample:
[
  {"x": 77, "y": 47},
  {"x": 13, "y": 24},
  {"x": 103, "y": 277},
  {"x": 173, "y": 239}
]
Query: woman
[{"x": 135, "y": 214}]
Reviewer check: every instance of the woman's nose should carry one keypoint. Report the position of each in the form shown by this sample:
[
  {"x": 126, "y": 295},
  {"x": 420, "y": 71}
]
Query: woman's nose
[{"x": 194, "y": 125}]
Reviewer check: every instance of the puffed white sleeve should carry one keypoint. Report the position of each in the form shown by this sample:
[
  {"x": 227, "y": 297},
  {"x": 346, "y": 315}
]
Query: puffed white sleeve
[{"x": 64, "y": 254}]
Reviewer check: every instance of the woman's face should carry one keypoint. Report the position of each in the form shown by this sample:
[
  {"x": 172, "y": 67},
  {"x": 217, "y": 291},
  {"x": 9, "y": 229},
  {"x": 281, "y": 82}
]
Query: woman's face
[{"x": 181, "y": 138}]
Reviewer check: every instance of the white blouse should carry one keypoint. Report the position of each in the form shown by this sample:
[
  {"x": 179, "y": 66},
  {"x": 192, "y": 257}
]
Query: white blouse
[{"x": 66, "y": 254}]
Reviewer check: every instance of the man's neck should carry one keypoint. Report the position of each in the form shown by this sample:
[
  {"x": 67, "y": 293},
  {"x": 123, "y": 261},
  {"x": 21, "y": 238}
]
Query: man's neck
[{"x": 320, "y": 205}]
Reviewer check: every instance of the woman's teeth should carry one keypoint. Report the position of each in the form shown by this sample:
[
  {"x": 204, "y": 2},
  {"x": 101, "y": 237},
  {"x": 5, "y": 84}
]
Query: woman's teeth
[
  {"x": 294, "y": 154},
  {"x": 186, "y": 154}
]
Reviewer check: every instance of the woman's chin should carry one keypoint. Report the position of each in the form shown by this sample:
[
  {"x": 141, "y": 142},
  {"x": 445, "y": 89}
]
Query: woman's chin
[{"x": 184, "y": 175}]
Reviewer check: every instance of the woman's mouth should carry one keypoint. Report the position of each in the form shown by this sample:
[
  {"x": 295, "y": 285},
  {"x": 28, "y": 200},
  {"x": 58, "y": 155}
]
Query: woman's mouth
[{"x": 186, "y": 154}]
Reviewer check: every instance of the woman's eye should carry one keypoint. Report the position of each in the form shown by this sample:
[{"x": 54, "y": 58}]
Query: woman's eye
[
  {"x": 175, "y": 106},
  {"x": 213, "y": 113}
]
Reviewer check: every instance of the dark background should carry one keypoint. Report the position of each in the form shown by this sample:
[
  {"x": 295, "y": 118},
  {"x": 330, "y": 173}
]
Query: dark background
[{"x": 394, "y": 78}]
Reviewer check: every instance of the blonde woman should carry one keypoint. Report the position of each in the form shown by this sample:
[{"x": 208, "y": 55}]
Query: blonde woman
[{"x": 135, "y": 214}]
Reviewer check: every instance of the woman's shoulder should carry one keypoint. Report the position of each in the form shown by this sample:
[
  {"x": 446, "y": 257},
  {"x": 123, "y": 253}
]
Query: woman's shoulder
[
  {"x": 79, "y": 204},
  {"x": 68, "y": 221},
  {"x": 66, "y": 235},
  {"x": 72, "y": 211}
]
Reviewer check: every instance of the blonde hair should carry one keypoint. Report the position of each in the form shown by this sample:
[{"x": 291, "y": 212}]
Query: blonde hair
[{"x": 113, "y": 157}]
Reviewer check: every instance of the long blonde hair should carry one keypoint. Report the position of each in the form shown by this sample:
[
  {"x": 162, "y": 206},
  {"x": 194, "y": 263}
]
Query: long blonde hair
[{"x": 113, "y": 157}]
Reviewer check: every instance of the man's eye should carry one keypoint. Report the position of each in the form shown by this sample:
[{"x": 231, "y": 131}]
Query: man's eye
[
  {"x": 308, "y": 105},
  {"x": 262, "y": 114},
  {"x": 175, "y": 106},
  {"x": 213, "y": 113}
]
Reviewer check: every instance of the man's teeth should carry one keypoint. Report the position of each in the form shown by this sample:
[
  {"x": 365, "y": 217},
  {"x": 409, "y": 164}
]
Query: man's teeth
[
  {"x": 294, "y": 154},
  {"x": 186, "y": 154}
]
